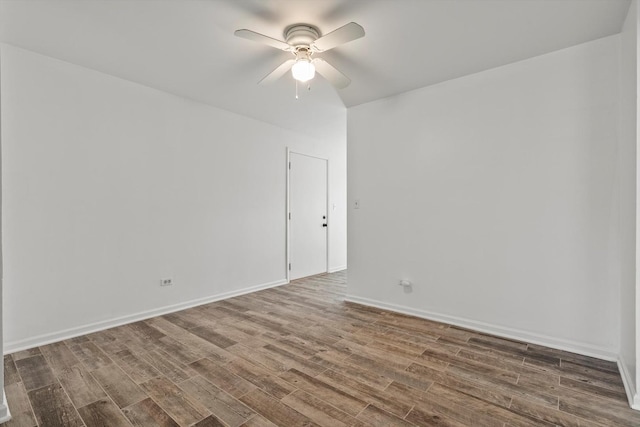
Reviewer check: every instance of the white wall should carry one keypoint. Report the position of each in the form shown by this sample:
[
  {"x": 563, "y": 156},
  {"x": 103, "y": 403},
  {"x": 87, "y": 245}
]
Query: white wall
[
  {"x": 493, "y": 193},
  {"x": 5, "y": 414},
  {"x": 627, "y": 170},
  {"x": 109, "y": 186}
]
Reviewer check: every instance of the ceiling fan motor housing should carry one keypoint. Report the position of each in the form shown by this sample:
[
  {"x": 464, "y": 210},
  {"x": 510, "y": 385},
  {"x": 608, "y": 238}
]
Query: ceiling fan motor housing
[{"x": 301, "y": 35}]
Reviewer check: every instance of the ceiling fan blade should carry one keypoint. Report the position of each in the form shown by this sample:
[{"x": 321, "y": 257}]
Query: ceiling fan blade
[
  {"x": 329, "y": 72},
  {"x": 342, "y": 35},
  {"x": 278, "y": 72},
  {"x": 261, "y": 38}
]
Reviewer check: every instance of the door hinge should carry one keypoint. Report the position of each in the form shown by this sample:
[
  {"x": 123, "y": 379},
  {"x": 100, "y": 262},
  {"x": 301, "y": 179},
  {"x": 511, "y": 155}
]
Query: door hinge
[
  {"x": 289, "y": 266},
  {"x": 289, "y": 215},
  {"x": 289, "y": 165}
]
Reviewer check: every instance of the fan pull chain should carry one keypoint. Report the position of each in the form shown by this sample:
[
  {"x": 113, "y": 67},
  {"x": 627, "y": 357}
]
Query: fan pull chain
[{"x": 308, "y": 88}]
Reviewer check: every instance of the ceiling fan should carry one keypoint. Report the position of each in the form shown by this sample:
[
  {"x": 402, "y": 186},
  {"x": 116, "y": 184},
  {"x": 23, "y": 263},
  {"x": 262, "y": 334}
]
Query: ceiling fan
[{"x": 303, "y": 41}]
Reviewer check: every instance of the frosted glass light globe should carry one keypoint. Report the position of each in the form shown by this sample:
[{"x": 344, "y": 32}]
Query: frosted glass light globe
[{"x": 303, "y": 70}]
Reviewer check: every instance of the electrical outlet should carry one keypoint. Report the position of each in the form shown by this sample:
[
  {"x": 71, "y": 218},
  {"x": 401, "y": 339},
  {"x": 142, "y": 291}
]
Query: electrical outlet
[{"x": 166, "y": 282}]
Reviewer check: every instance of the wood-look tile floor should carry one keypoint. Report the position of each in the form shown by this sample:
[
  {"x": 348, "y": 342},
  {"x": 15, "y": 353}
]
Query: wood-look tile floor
[{"x": 298, "y": 355}]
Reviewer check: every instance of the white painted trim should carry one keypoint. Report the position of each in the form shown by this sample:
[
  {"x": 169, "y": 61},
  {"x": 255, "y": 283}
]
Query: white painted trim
[
  {"x": 632, "y": 396},
  {"x": 13, "y": 346},
  {"x": 289, "y": 152},
  {"x": 510, "y": 333},
  {"x": 327, "y": 213},
  {"x": 5, "y": 414},
  {"x": 287, "y": 213},
  {"x": 336, "y": 269}
]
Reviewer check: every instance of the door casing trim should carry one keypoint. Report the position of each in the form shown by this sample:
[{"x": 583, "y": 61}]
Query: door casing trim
[{"x": 288, "y": 206}]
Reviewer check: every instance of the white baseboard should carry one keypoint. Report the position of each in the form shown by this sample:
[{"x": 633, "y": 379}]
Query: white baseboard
[
  {"x": 629, "y": 384},
  {"x": 336, "y": 269},
  {"x": 5, "y": 415},
  {"x": 24, "y": 344},
  {"x": 501, "y": 331}
]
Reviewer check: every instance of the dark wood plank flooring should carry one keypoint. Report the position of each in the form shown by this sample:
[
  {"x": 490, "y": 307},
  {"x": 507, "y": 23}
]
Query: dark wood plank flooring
[{"x": 298, "y": 355}]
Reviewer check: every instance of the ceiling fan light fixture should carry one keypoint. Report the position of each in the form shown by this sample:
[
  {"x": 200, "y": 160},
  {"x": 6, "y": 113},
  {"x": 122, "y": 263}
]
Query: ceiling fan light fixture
[
  {"x": 303, "y": 70},
  {"x": 304, "y": 40}
]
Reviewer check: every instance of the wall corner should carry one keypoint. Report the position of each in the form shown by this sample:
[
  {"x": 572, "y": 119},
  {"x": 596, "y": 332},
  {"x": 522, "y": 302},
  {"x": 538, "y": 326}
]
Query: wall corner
[
  {"x": 629, "y": 384},
  {"x": 5, "y": 414}
]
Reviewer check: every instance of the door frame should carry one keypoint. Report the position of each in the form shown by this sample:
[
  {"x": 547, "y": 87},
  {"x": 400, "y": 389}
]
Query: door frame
[{"x": 288, "y": 206}]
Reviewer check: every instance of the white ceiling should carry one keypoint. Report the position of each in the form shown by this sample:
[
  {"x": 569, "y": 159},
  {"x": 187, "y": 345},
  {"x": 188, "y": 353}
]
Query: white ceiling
[{"x": 187, "y": 47}]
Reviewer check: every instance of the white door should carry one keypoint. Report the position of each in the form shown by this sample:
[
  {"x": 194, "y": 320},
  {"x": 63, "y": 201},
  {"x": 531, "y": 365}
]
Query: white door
[{"x": 308, "y": 216}]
